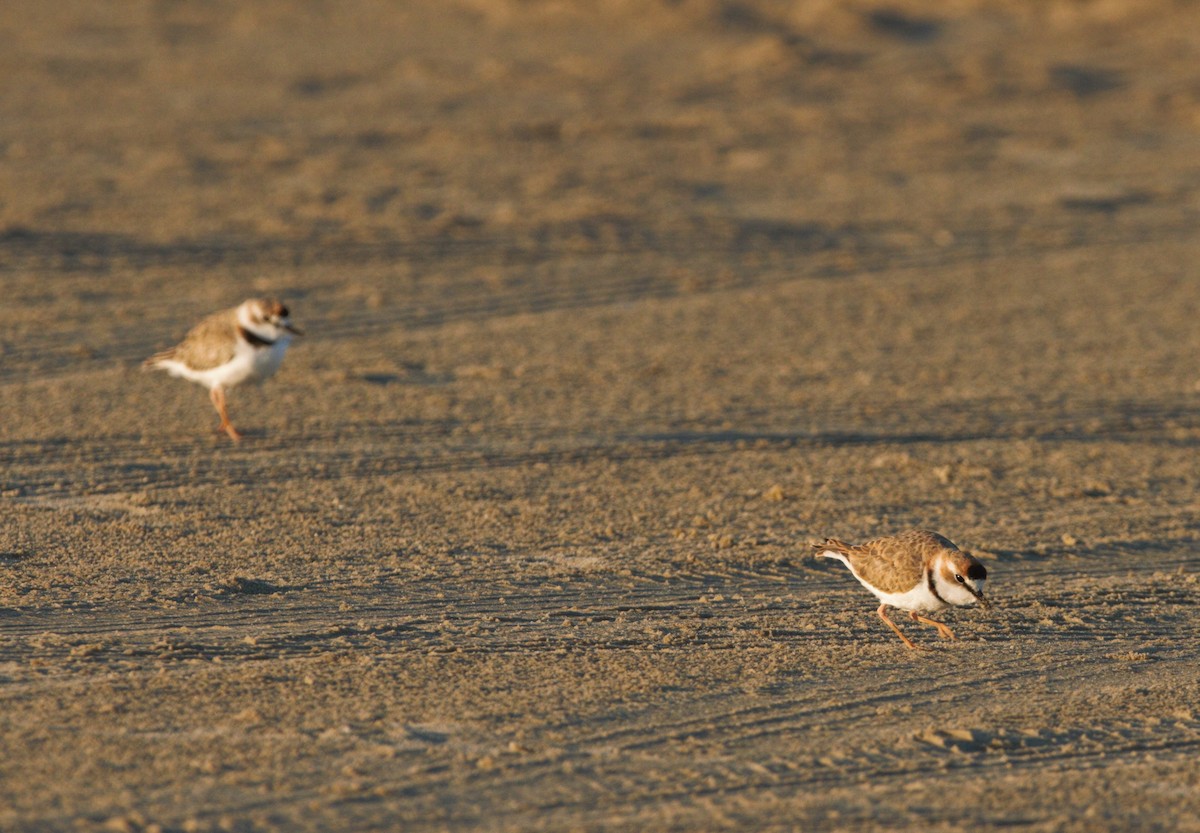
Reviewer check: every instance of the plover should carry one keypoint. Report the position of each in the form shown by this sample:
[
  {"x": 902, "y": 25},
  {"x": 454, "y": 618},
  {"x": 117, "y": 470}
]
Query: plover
[
  {"x": 243, "y": 344},
  {"x": 918, "y": 571}
]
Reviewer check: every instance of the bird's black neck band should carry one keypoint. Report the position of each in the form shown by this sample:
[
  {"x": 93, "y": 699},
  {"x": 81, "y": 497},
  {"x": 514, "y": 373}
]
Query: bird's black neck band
[
  {"x": 932, "y": 582},
  {"x": 254, "y": 338}
]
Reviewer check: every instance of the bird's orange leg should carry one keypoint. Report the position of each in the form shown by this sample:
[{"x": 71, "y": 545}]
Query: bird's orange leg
[
  {"x": 883, "y": 615},
  {"x": 943, "y": 631},
  {"x": 218, "y": 399}
]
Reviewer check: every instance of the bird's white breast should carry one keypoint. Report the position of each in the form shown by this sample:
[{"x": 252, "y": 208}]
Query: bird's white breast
[
  {"x": 249, "y": 364},
  {"x": 919, "y": 598},
  {"x": 264, "y": 360}
]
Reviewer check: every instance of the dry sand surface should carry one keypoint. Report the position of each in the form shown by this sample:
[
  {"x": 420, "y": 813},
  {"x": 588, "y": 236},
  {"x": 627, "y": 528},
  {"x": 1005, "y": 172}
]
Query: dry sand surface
[{"x": 612, "y": 308}]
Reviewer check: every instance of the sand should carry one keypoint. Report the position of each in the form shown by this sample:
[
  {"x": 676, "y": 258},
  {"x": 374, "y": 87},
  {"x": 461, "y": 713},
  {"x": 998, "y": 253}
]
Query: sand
[{"x": 612, "y": 309}]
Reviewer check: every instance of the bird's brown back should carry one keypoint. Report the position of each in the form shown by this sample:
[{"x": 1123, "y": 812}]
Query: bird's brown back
[
  {"x": 893, "y": 564},
  {"x": 209, "y": 344}
]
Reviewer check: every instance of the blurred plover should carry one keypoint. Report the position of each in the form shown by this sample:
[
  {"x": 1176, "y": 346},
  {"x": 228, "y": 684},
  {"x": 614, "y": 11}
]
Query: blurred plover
[
  {"x": 243, "y": 344},
  {"x": 918, "y": 571}
]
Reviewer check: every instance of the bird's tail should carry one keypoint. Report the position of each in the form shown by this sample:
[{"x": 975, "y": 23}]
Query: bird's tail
[
  {"x": 832, "y": 548},
  {"x": 157, "y": 359}
]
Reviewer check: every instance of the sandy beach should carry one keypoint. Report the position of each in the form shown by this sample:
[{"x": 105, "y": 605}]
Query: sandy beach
[{"x": 611, "y": 310}]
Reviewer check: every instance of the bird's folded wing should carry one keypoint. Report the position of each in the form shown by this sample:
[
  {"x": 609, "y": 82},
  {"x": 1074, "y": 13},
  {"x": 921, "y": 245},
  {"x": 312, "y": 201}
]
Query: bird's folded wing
[{"x": 211, "y": 343}]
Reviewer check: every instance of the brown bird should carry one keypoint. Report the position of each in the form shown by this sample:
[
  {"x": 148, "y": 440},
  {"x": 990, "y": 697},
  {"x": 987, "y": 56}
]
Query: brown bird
[
  {"x": 918, "y": 571},
  {"x": 242, "y": 344}
]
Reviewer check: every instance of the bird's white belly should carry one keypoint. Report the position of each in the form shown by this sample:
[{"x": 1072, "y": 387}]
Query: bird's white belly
[
  {"x": 266, "y": 361},
  {"x": 247, "y": 365},
  {"x": 919, "y": 598}
]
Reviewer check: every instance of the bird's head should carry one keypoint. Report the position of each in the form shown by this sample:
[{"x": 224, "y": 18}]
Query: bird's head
[
  {"x": 268, "y": 318},
  {"x": 960, "y": 577}
]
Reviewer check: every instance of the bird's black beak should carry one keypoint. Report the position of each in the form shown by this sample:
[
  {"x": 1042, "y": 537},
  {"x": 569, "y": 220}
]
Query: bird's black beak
[
  {"x": 983, "y": 600},
  {"x": 291, "y": 328}
]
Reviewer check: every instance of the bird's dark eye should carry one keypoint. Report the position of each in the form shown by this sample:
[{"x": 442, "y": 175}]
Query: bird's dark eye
[
  {"x": 283, "y": 313},
  {"x": 959, "y": 579}
]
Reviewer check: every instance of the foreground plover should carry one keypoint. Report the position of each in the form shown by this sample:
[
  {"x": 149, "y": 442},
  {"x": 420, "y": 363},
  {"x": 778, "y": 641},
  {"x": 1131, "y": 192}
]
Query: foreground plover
[
  {"x": 918, "y": 571},
  {"x": 243, "y": 344}
]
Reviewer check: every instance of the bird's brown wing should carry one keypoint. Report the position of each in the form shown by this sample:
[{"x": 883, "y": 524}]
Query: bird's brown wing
[
  {"x": 893, "y": 564},
  {"x": 211, "y": 343}
]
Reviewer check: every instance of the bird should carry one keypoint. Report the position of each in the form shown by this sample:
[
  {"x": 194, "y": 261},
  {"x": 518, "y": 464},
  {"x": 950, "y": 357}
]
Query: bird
[
  {"x": 919, "y": 571},
  {"x": 243, "y": 344}
]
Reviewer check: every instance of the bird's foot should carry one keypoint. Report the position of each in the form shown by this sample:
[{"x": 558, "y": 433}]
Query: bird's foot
[{"x": 943, "y": 631}]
